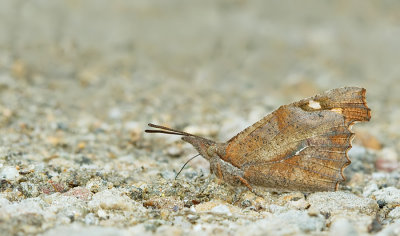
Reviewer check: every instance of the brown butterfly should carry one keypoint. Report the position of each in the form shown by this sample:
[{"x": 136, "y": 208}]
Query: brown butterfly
[{"x": 301, "y": 146}]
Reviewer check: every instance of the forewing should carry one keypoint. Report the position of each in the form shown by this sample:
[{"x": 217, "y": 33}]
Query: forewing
[{"x": 302, "y": 145}]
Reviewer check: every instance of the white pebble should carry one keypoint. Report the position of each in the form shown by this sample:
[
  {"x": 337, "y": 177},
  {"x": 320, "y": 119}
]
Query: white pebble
[
  {"x": 102, "y": 214},
  {"x": 395, "y": 213},
  {"x": 221, "y": 209},
  {"x": 111, "y": 200},
  {"x": 390, "y": 195},
  {"x": 369, "y": 189},
  {"x": 4, "y": 202},
  {"x": 9, "y": 173},
  {"x": 342, "y": 226}
]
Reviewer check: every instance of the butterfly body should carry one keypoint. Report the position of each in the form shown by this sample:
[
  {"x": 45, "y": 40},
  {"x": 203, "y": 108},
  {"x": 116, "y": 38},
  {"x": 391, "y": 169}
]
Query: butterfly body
[
  {"x": 215, "y": 154},
  {"x": 301, "y": 146}
]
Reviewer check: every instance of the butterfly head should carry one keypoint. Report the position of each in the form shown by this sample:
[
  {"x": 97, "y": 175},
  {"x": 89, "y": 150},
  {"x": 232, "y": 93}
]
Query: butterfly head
[{"x": 204, "y": 146}]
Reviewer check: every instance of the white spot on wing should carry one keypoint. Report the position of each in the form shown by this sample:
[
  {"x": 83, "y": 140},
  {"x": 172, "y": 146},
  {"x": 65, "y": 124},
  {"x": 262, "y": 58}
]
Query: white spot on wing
[
  {"x": 298, "y": 152},
  {"x": 314, "y": 105}
]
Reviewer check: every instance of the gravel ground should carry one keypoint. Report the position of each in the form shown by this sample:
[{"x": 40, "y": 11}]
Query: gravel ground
[{"x": 79, "y": 81}]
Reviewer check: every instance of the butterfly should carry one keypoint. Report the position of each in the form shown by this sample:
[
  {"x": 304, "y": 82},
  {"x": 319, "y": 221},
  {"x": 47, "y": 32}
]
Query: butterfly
[{"x": 301, "y": 146}]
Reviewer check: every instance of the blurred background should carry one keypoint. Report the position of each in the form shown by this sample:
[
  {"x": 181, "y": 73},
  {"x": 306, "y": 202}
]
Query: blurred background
[
  {"x": 80, "y": 80},
  {"x": 167, "y": 60},
  {"x": 217, "y": 65}
]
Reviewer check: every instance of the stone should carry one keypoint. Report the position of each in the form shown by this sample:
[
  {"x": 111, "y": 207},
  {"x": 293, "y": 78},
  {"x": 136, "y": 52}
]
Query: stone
[
  {"x": 390, "y": 230},
  {"x": 80, "y": 193},
  {"x": 369, "y": 189},
  {"x": 112, "y": 199},
  {"x": 342, "y": 227},
  {"x": 390, "y": 195},
  {"x": 9, "y": 173},
  {"x": 291, "y": 222},
  {"x": 395, "y": 213},
  {"x": 77, "y": 229},
  {"x": 221, "y": 209},
  {"x": 170, "y": 203},
  {"x": 338, "y": 202}
]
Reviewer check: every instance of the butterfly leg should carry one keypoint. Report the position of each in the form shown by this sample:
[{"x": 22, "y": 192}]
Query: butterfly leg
[
  {"x": 219, "y": 173},
  {"x": 227, "y": 172},
  {"x": 247, "y": 184},
  {"x": 241, "y": 179}
]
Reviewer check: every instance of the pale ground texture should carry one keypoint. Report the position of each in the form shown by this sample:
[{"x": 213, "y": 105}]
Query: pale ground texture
[{"x": 79, "y": 81}]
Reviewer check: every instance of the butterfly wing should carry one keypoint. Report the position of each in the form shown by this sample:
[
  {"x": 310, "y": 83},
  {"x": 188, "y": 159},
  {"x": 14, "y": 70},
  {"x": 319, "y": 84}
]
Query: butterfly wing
[{"x": 303, "y": 145}]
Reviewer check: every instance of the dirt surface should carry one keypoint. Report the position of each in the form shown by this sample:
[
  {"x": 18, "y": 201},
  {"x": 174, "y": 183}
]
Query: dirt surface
[{"x": 79, "y": 81}]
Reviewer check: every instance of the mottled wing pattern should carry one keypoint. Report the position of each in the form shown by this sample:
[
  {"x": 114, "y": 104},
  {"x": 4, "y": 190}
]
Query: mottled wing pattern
[{"x": 302, "y": 145}]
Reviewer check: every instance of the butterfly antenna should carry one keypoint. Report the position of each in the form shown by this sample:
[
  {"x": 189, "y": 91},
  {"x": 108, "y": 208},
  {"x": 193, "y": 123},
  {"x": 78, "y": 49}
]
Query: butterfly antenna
[
  {"x": 165, "y": 130},
  {"x": 185, "y": 165}
]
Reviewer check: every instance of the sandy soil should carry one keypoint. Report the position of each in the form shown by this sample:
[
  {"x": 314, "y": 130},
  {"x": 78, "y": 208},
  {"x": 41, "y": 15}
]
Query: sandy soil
[{"x": 79, "y": 81}]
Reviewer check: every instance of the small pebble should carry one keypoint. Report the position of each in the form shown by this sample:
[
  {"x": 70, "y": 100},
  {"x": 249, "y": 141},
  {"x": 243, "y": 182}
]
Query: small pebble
[
  {"x": 170, "y": 203},
  {"x": 300, "y": 204},
  {"x": 381, "y": 203},
  {"x": 4, "y": 202},
  {"x": 337, "y": 202},
  {"x": 169, "y": 175},
  {"x": 80, "y": 193},
  {"x": 192, "y": 218},
  {"x": 246, "y": 203},
  {"x": 221, "y": 209},
  {"x": 181, "y": 222},
  {"x": 342, "y": 227},
  {"x": 102, "y": 214},
  {"x": 369, "y": 189},
  {"x": 112, "y": 199},
  {"x": 9, "y": 173},
  {"x": 395, "y": 213},
  {"x": 91, "y": 219},
  {"x": 389, "y": 195}
]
